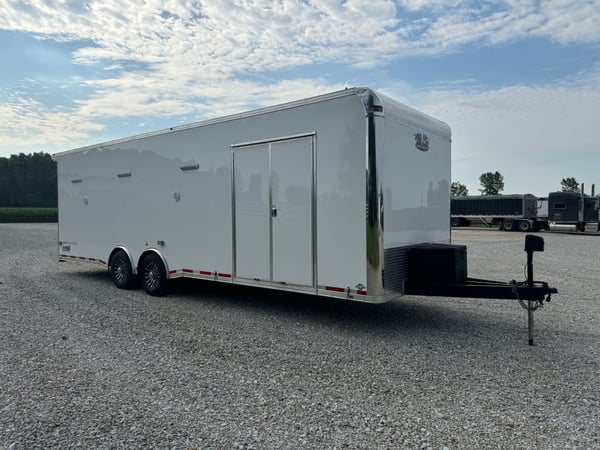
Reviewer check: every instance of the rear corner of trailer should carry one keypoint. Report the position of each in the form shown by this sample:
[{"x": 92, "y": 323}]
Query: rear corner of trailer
[
  {"x": 415, "y": 187},
  {"x": 66, "y": 182},
  {"x": 76, "y": 211}
]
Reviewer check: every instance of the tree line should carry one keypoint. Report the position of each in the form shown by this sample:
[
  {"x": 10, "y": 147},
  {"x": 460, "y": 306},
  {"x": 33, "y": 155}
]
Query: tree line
[
  {"x": 492, "y": 183},
  {"x": 28, "y": 181}
]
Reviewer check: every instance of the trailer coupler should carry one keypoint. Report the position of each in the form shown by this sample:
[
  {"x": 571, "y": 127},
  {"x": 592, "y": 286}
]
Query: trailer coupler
[{"x": 530, "y": 294}]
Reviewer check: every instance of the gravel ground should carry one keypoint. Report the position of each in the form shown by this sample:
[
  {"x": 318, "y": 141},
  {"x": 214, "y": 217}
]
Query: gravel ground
[{"x": 83, "y": 364}]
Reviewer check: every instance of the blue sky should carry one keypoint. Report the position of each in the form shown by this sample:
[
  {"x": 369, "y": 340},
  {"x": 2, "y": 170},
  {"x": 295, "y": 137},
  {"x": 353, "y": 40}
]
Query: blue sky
[{"x": 518, "y": 81}]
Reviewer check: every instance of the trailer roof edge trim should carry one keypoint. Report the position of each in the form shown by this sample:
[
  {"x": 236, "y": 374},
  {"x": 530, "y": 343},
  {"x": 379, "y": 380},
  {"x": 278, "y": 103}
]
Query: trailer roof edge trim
[{"x": 411, "y": 117}]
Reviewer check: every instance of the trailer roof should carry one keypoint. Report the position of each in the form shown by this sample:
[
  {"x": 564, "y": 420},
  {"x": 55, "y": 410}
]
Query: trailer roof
[{"x": 405, "y": 114}]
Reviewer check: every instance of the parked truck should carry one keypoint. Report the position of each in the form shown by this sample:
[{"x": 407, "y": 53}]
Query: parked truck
[
  {"x": 343, "y": 195},
  {"x": 574, "y": 211}
]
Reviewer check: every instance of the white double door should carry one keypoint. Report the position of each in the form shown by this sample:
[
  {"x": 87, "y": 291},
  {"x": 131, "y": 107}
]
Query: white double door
[{"x": 273, "y": 211}]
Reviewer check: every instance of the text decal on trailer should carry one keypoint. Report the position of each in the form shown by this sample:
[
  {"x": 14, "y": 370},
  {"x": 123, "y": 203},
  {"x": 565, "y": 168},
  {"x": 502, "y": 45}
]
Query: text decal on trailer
[{"x": 421, "y": 142}]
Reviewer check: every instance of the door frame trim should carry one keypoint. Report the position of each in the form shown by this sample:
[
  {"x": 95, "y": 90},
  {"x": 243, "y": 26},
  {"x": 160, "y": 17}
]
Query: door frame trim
[{"x": 269, "y": 142}]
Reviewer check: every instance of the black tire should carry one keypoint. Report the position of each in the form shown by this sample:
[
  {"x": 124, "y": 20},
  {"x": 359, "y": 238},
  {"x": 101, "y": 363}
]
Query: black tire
[
  {"x": 525, "y": 226},
  {"x": 508, "y": 225},
  {"x": 153, "y": 275},
  {"x": 121, "y": 272},
  {"x": 455, "y": 221}
]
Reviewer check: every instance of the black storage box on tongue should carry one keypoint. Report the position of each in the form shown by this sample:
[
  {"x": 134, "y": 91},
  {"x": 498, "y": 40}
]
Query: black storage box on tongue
[{"x": 438, "y": 263}]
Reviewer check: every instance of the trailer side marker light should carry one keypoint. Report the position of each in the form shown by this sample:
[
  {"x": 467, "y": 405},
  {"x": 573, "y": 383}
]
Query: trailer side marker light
[
  {"x": 171, "y": 272},
  {"x": 335, "y": 289}
]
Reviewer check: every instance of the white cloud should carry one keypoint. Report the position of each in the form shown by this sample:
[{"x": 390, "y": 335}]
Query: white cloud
[
  {"x": 182, "y": 57},
  {"x": 229, "y": 37},
  {"x": 26, "y": 122},
  {"x": 535, "y": 135},
  {"x": 449, "y": 25},
  {"x": 570, "y": 21}
]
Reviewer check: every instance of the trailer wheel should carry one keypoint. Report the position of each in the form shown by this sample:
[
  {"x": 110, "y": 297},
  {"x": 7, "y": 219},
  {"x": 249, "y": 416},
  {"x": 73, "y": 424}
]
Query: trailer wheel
[
  {"x": 120, "y": 270},
  {"x": 455, "y": 222},
  {"x": 508, "y": 225},
  {"x": 524, "y": 226},
  {"x": 153, "y": 275}
]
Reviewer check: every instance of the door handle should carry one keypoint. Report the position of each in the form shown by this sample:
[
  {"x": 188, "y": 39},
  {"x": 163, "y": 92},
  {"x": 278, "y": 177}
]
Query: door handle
[{"x": 274, "y": 211}]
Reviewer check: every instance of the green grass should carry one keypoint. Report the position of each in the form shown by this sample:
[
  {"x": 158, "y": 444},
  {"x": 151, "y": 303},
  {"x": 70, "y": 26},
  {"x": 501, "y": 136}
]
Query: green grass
[{"x": 24, "y": 215}]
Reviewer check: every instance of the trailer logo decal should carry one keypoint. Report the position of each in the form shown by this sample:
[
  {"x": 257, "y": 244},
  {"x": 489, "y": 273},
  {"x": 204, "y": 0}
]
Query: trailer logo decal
[{"x": 422, "y": 142}]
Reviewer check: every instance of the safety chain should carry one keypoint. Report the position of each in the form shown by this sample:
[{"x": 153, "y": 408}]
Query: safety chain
[{"x": 538, "y": 303}]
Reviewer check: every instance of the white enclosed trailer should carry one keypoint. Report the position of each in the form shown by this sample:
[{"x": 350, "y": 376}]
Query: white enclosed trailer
[{"x": 324, "y": 195}]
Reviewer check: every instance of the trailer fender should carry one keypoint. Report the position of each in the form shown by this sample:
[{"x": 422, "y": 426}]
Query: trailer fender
[
  {"x": 124, "y": 249},
  {"x": 156, "y": 252}
]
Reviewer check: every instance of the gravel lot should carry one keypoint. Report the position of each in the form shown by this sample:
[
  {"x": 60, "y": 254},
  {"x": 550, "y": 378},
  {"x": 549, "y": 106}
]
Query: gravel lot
[{"x": 83, "y": 364}]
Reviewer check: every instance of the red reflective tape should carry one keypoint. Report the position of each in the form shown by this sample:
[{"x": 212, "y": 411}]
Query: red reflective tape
[
  {"x": 188, "y": 271},
  {"x": 204, "y": 272},
  {"x": 224, "y": 275},
  {"x": 171, "y": 272},
  {"x": 82, "y": 258},
  {"x": 334, "y": 289},
  {"x": 361, "y": 292}
]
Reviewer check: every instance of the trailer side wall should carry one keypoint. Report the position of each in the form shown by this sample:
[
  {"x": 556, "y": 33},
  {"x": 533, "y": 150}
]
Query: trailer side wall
[{"x": 146, "y": 192}]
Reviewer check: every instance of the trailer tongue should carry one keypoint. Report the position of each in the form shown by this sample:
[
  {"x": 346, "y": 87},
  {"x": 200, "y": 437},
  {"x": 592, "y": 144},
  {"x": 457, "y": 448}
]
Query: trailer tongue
[{"x": 449, "y": 278}]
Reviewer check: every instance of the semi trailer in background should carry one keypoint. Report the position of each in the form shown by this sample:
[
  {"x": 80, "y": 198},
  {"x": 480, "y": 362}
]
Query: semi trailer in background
[
  {"x": 509, "y": 212},
  {"x": 559, "y": 211},
  {"x": 345, "y": 195}
]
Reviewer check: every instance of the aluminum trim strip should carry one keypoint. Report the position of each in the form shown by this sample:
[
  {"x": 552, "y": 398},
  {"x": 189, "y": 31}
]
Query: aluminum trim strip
[
  {"x": 270, "y": 169},
  {"x": 314, "y": 210},
  {"x": 374, "y": 198},
  {"x": 276, "y": 139}
]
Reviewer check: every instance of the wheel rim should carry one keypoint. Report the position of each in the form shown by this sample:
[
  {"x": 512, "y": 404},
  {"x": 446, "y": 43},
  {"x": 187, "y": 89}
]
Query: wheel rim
[
  {"x": 151, "y": 275},
  {"x": 120, "y": 270}
]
